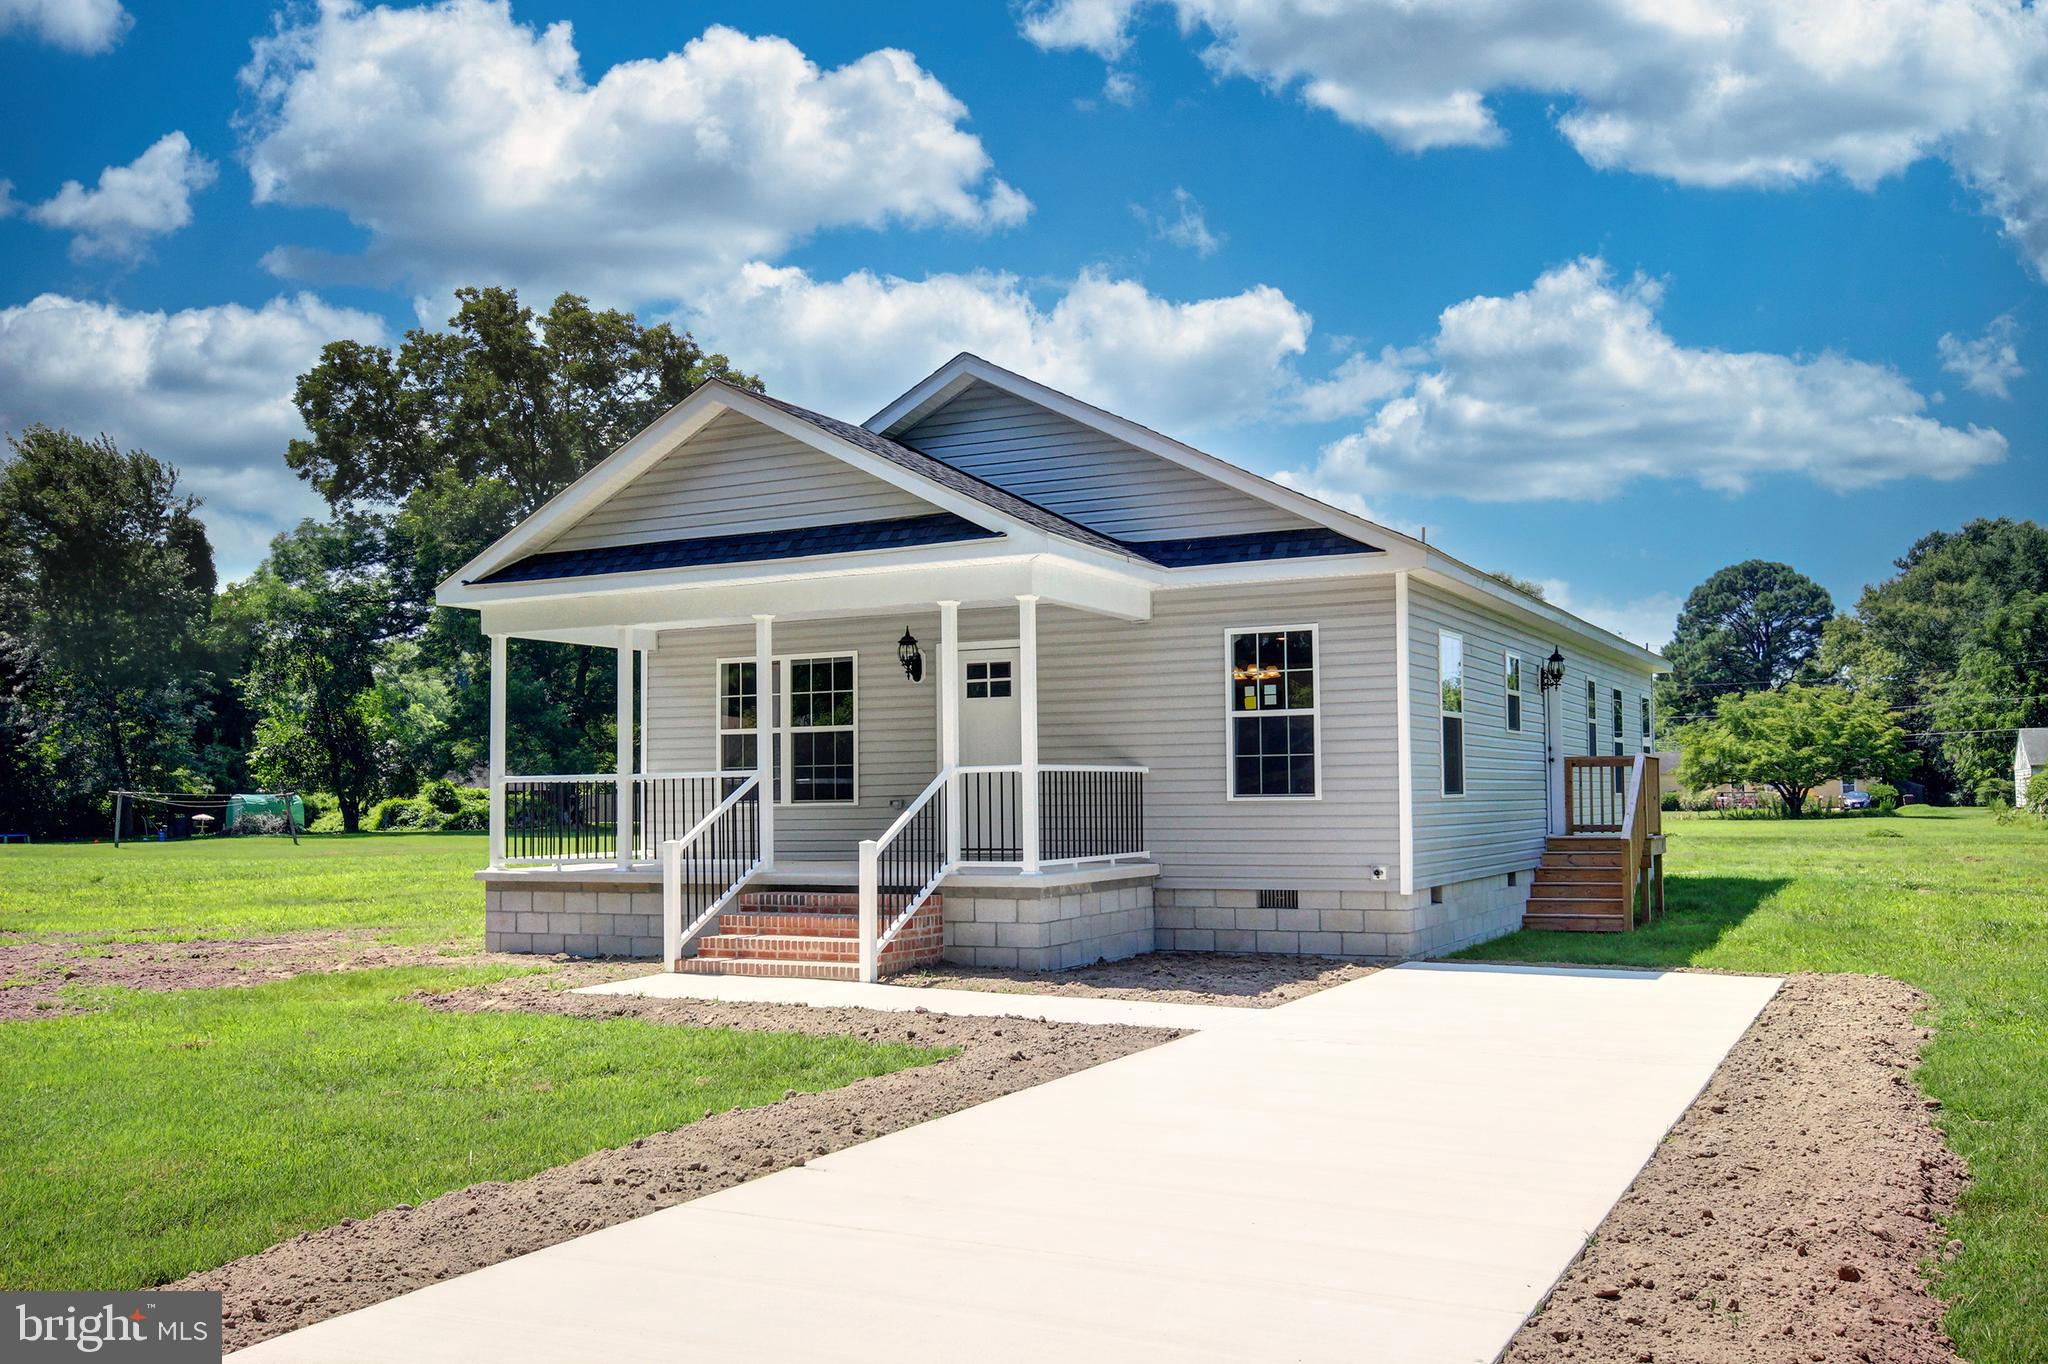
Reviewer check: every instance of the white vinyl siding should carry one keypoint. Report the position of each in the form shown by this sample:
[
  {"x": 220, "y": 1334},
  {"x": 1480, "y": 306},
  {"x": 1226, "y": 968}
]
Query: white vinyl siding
[
  {"x": 1082, "y": 474},
  {"x": 733, "y": 477},
  {"x": 1110, "y": 691}
]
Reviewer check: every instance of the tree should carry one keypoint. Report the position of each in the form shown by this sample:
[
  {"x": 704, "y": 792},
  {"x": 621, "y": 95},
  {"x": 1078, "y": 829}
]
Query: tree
[
  {"x": 1750, "y": 627},
  {"x": 1528, "y": 587},
  {"x": 106, "y": 578},
  {"x": 1791, "y": 740},
  {"x": 463, "y": 432},
  {"x": 2000, "y": 684},
  {"x": 323, "y": 601}
]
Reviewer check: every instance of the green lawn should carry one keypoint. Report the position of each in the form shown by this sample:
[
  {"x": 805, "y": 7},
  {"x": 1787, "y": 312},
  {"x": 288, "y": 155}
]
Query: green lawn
[
  {"x": 1947, "y": 900},
  {"x": 168, "y": 1133},
  {"x": 409, "y": 887}
]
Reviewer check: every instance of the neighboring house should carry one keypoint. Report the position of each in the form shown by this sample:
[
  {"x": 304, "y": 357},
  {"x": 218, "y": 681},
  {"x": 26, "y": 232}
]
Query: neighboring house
[
  {"x": 2029, "y": 756},
  {"x": 1098, "y": 690}
]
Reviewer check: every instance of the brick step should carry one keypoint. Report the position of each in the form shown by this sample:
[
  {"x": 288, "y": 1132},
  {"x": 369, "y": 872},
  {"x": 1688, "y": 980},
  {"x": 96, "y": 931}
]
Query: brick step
[
  {"x": 1577, "y": 923},
  {"x": 805, "y": 970},
  {"x": 762, "y": 947},
  {"x": 788, "y": 923}
]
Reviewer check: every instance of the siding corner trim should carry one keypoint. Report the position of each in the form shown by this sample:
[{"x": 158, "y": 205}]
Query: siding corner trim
[{"x": 1404, "y": 746}]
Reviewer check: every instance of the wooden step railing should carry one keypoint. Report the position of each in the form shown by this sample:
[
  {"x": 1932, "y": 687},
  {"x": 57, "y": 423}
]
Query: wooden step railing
[{"x": 1622, "y": 796}]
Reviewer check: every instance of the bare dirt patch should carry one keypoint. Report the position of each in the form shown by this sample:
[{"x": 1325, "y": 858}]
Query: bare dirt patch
[
  {"x": 34, "y": 975},
  {"x": 1251, "y": 980},
  {"x": 1788, "y": 1214},
  {"x": 338, "y": 1269}
]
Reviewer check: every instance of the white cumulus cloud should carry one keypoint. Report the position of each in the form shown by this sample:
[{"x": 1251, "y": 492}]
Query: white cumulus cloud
[
  {"x": 209, "y": 389},
  {"x": 472, "y": 148},
  {"x": 1986, "y": 364},
  {"x": 148, "y": 197},
  {"x": 847, "y": 346},
  {"x": 1572, "y": 389},
  {"x": 1187, "y": 225},
  {"x": 1648, "y": 620},
  {"x": 1737, "y": 92},
  {"x": 79, "y": 25}
]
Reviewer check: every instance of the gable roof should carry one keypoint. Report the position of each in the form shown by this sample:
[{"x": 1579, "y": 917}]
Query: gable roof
[
  {"x": 746, "y": 548},
  {"x": 2034, "y": 746}
]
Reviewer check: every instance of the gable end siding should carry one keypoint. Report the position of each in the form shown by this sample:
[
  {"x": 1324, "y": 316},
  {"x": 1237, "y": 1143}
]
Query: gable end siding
[
  {"x": 1084, "y": 475},
  {"x": 738, "y": 476}
]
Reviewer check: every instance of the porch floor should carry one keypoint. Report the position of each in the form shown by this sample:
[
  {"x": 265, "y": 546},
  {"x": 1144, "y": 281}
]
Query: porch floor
[{"x": 1326, "y": 1180}]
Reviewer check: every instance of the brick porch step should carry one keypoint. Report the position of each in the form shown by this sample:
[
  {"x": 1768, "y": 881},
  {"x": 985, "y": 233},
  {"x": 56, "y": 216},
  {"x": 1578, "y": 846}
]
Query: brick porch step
[
  {"x": 786, "y": 923},
  {"x": 779, "y": 947},
  {"x": 803, "y": 970}
]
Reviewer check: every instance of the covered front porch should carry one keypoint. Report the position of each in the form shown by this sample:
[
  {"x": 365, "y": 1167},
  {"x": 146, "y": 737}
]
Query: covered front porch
[{"x": 891, "y": 768}]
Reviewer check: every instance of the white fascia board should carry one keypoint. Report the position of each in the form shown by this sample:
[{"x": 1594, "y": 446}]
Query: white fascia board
[
  {"x": 1463, "y": 580},
  {"x": 963, "y": 369}
]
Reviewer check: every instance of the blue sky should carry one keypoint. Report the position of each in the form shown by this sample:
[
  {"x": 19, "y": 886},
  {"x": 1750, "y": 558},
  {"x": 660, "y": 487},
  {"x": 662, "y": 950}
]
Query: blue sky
[{"x": 1596, "y": 321}]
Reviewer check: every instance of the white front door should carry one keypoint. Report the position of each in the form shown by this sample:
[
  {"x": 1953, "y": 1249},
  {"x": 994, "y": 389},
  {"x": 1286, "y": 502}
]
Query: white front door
[
  {"x": 990, "y": 712},
  {"x": 990, "y": 736}
]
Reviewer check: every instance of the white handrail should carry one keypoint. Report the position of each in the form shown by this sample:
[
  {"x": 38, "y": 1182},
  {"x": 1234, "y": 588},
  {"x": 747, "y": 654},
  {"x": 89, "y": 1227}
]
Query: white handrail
[
  {"x": 613, "y": 776},
  {"x": 1092, "y": 767},
  {"x": 674, "y": 934},
  {"x": 872, "y": 938}
]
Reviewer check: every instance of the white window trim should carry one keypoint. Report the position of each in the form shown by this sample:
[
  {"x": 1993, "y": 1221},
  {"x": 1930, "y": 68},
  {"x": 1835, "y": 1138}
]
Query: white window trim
[
  {"x": 1648, "y": 725},
  {"x": 1511, "y": 685},
  {"x": 783, "y": 729},
  {"x": 1315, "y": 713},
  {"x": 1464, "y": 730}
]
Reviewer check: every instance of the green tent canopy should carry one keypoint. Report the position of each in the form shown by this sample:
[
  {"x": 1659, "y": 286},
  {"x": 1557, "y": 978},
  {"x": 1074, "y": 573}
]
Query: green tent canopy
[{"x": 242, "y": 807}]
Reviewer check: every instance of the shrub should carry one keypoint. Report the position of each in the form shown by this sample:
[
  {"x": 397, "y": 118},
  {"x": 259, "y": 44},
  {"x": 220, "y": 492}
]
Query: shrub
[
  {"x": 1995, "y": 794},
  {"x": 443, "y": 795},
  {"x": 1884, "y": 798},
  {"x": 463, "y": 808},
  {"x": 1670, "y": 801}
]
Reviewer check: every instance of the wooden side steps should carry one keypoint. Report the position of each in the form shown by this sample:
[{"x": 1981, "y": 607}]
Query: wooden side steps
[
  {"x": 814, "y": 934},
  {"x": 1583, "y": 885}
]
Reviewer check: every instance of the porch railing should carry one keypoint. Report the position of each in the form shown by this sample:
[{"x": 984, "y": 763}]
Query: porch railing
[
  {"x": 1596, "y": 794},
  {"x": 569, "y": 818},
  {"x": 900, "y": 870},
  {"x": 1089, "y": 812},
  {"x": 1622, "y": 797},
  {"x": 702, "y": 870},
  {"x": 574, "y": 817},
  {"x": 991, "y": 803}
]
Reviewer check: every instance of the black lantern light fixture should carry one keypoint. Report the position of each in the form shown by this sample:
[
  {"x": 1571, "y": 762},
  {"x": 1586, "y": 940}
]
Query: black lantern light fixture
[
  {"x": 910, "y": 656},
  {"x": 1551, "y": 676}
]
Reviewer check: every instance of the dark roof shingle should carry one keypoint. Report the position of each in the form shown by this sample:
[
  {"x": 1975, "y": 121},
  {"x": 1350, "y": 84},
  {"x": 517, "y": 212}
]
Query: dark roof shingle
[{"x": 750, "y": 547}]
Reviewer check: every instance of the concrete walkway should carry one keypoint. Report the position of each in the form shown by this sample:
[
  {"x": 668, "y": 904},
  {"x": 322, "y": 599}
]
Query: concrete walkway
[
  {"x": 848, "y": 994},
  {"x": 1394, "y": 1169}
]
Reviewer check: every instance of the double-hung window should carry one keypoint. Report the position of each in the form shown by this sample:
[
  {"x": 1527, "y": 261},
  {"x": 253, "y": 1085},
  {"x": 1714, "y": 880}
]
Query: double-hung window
[
  {"x": 1450, "y": 671},
  {"x": 1271, "y": 698},
  {"x": 812, "y": 731},
  {"x": 1513, "y": 673},
  {"x": 1620, "y": 776}
]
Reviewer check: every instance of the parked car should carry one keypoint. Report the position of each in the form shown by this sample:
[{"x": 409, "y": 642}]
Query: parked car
[{"x": 1856, "y": 800}]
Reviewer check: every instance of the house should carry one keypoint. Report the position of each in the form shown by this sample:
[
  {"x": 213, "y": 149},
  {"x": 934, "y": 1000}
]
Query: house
[
  {"x": 1044, "y": 686},
  {"x": 2029, "y": 756}
]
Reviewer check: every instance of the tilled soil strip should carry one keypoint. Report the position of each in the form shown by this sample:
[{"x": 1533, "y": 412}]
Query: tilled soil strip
[
  {"x": 1788, "y": 1214},
  {"x": 33, "y": 974},
  {"x": 338, "y": 1269},
  {"x": 1251, "y": 981}
]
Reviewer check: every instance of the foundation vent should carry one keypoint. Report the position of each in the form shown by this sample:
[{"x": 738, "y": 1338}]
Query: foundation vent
[{"x": 1279, "y": 899}]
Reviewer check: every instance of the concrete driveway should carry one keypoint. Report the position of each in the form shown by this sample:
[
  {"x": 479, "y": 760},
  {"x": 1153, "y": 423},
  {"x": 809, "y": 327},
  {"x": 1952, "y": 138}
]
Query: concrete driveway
[{"x": 1395, "y": 1169}]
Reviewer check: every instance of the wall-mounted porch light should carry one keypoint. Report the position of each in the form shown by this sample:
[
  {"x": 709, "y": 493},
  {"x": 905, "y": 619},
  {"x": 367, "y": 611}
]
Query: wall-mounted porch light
[
  {"x": 910, "y": 656},
  {"x": 1551, "y": 675}
]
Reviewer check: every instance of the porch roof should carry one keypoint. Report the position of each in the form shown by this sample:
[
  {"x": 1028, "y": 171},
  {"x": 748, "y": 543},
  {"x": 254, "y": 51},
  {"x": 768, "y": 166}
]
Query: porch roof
[{"x": 750, "y": 547}]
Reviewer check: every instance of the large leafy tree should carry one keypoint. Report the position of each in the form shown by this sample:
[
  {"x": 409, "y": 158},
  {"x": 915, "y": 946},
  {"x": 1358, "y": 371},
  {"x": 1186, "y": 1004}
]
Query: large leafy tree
[
  {"x": 447, "y": 442},
  {"x": 323, "y": 602},
  {"x": 2000, "y": 684},
  {"x": 1749, "y": 627},
  {"x": 106, "y": 578},
  {"x": 1792, "y": 740}
]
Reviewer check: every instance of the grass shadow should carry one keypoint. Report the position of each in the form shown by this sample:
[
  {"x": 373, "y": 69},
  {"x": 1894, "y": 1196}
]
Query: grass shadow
[{"x": 1698, "y": 912}]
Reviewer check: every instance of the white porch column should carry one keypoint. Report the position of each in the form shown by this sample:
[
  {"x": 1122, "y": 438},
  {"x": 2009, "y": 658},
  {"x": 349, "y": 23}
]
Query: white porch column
[
  {"x": 1027, "y": 726},
  {"x": 498, "y": 670},
  {"x": 622, "y": 823},
  {"x": 764, "y": 732},
  {"x": 949, "y": 718},
  {"x": 646, "y": 702}
]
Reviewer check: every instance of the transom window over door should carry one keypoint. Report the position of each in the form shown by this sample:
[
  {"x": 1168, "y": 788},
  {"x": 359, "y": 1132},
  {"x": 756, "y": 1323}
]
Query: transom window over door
[
  {"x": 1450, "y": 672},
  {"x": 814, "y": 726},
  {"x": 1272, "y": 708}
]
